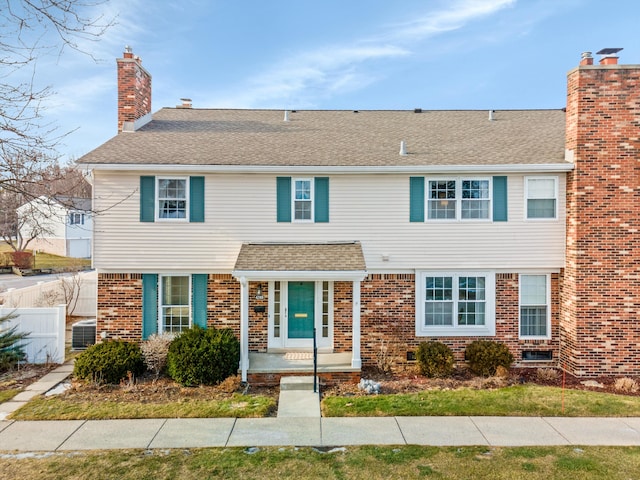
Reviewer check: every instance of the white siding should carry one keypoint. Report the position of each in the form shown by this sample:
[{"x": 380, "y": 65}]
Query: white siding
[{"x": 373, "y": 209}]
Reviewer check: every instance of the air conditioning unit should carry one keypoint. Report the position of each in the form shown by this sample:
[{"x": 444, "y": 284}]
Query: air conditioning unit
[{"x": 83, "y": 334}]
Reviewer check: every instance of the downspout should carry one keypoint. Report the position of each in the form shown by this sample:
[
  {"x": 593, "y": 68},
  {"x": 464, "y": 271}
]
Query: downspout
[
  {"x": 244, "y": 328},
  {"x": 356, "y": 361}
]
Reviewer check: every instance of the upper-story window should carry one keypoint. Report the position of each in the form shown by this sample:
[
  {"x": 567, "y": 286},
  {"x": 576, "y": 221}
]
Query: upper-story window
[
  {"x": 76, "y": 218},
  {"x": 172, "y": 198},
  {"x": 541, "y": 195},
  {"x": 302, "y": 200},
  {"x": 466, "y": 199}
]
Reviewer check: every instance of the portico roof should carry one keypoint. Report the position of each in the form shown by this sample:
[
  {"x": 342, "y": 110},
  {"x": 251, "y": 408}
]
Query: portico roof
[{"x": 338, "y": 260}]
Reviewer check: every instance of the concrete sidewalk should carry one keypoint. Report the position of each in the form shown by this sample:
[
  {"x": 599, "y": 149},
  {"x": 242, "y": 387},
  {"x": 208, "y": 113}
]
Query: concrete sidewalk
[
  {"x": 305, "y": 431},
  {"x": 301, "y": 430}
]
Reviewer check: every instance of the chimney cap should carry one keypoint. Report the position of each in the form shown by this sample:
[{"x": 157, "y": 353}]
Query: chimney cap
[{"x": 608, "y": 51}]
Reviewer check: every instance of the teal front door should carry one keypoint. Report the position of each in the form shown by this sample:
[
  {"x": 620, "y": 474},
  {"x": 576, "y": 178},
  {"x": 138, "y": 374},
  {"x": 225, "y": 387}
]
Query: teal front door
[{"x": 301, "y": 309}]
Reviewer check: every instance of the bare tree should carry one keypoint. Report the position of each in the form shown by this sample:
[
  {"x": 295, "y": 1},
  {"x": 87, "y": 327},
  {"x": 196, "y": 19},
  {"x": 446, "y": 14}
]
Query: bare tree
[{"x": 29, "y": 30}]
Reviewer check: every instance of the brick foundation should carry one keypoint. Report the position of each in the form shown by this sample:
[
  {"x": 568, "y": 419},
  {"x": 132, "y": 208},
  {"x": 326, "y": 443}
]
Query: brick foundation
[{"x": 327, "y": 379}]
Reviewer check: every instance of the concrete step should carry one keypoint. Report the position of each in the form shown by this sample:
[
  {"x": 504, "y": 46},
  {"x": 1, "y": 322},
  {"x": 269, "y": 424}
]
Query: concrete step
[
  {"x": 299, "y": 403},
  {"x": 298, "y": 383},
  {"x": 297, "y": 398}
]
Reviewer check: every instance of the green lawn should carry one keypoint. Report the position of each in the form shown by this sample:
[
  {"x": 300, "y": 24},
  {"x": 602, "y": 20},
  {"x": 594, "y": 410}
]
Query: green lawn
[
  {"x": 370, "y": 463},
  {"x": 57, "y": 408},
  {"x": 47, "y": 260},
  {"x": 520, "y": 400},
  {"x": 6, "y": 395}
]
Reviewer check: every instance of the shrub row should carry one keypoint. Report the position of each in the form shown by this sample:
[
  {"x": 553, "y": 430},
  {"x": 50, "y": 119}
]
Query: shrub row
[
  {"x": 195, "y": 357},
  {"x": 435, "y": 359}
]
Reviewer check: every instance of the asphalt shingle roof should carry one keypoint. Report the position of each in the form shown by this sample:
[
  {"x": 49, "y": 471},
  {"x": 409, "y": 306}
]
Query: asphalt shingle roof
[
  {"x": 301, "y": 257},
  {"x": 181, "y": 136}
]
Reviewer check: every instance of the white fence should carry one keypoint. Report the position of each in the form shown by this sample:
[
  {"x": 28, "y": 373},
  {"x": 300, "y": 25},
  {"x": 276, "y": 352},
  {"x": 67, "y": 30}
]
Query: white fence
[
  {"x": 46, "y": 329},
  {"x": 77, "y": 291}
]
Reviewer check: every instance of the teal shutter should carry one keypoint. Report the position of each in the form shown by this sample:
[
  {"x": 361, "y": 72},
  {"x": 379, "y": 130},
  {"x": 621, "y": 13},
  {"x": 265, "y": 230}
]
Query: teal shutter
[
  {"x": 196, "y": 199},
  {"x": 321, "y": 199},
  {"x": 500, "y": 211},
  {"x": 199, "y": 302},
  {"x": 416, "y": 199},
  {"x": 149, "y": 304},
  {"x": 283, "y": 199},
  {"x": 147, "y": 198}
]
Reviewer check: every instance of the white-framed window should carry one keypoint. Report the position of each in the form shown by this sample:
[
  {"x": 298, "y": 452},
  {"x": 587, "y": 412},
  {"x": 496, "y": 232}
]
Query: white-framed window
[
  {"x": 302, "y": 200},
  {"x": 175, "y": 303},
  {"x": 76, "y": 218},
  {"x": 172, "y": 198},
  {"x": 535, "y": 310},
  {"x": 541, "y": 197},
  {"x": 459, "y": 199},
  {"x": 455, "y": 303}
]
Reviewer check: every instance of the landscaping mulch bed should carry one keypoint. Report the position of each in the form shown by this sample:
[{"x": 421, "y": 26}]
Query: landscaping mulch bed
[
  {"x": 410, "y": 382},
  {"x": 22, "y": 376}
]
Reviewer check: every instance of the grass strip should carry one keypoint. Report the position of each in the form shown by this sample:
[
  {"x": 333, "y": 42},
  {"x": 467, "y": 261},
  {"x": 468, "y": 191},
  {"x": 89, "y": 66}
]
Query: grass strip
[
  {"x": 6, "y": 395},
  {"x": 57, "y": 408},
  {"x": 368, "y": 462},
  {"x": 518, "y": 400}
]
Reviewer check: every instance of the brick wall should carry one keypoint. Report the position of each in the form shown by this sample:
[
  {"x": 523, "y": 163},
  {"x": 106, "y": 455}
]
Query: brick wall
[
  {"x": 119, "y": 305},
  {"x": 388, "y": 320},
  {"x": 600, "y": 303},
  {"x": 134, "y": 89}
]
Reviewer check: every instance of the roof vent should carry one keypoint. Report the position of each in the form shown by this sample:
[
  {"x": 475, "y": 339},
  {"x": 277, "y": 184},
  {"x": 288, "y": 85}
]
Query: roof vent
[
  {"x": 286, "y": 115},
  {"x": 491, "y": 112},
  {"x": 417, "y": 110},
  {"x": 403, "y": 148},
  {"x": 186, "y": 103}
]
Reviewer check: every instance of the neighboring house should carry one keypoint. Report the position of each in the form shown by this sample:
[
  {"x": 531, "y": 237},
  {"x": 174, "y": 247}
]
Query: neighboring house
[
  {"x": 61, "y": 225},
  {"x": 381, "y": 229}
]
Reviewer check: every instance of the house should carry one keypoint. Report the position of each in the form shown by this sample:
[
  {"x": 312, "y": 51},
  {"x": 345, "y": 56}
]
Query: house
[
  {"x": 377, "y": 230},
  {"x": 61, "y": 225}
]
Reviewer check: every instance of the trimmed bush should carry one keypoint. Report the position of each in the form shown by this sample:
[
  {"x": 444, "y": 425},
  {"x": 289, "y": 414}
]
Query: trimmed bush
[
  {"x": 203, "y": 357},
  {"x": 435, "y": 359},
  {"x": 485, "y": 356},
  {"x": 109, "y": 362}
]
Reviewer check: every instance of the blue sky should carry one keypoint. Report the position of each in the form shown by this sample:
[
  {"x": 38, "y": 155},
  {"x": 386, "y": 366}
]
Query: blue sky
[{"x": 335, "y": 54}]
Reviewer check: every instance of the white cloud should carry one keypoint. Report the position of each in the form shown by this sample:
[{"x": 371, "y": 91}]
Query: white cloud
[{"x": 306, "y": 77}]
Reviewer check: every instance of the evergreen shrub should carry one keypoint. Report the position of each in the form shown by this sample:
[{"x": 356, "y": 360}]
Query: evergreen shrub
[
  {"x": 203, "y": 356},
  {"x": 485, "y": 356}
]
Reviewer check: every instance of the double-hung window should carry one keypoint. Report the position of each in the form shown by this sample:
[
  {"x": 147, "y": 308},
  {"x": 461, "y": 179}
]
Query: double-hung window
[
  {"x": 461, "y": 198},
  {"x": 76, "y": 218},
  {"x": 172, "y": 198},
  {"x": 175, "y": 304},
  {"x": 541, "y": 197},
  {"x": 302, "y": 200},
  {"x": 459, "y": 303},
  {"x": 534, "y": 306}
]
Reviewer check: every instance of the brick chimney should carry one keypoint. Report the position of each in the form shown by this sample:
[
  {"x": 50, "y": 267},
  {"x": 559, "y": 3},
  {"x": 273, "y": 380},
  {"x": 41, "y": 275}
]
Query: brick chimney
[
  {"x": 134, "y": 92},
  {"x": 600, "y": 294}
]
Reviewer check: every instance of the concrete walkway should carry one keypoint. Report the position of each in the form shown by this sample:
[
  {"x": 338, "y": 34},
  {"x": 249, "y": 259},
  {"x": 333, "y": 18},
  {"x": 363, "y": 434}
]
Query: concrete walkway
[{"x": 307, "y": 430}]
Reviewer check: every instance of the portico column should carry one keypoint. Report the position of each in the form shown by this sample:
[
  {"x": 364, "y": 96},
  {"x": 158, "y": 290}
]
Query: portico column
[
  {"x": 356, "y": 362},
  {"x": 244, "y": 328}
]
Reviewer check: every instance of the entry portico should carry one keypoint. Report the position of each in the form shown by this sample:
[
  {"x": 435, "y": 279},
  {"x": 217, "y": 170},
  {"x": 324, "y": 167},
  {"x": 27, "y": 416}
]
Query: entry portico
[{"x": 299, "y": 280}]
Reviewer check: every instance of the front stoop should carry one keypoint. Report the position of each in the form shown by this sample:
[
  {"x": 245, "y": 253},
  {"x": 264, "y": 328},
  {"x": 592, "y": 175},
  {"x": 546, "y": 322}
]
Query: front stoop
[{"x": 297, "y": 398}]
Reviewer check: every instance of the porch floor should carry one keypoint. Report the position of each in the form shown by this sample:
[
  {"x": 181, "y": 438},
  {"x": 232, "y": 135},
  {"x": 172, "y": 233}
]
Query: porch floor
[{"x": 277, "y": 363}]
